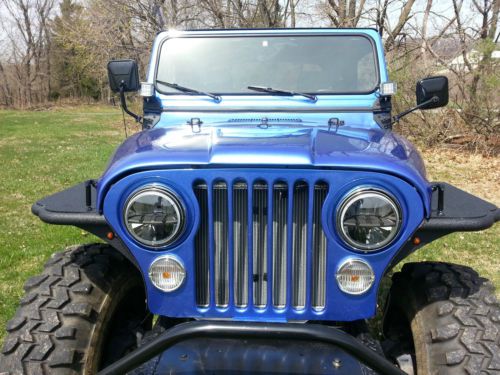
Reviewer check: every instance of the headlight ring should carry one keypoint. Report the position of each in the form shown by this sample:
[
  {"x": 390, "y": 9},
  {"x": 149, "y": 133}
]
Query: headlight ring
[
  {"x": 368, "y": 219},
  {"x": 154, "y": 216}
]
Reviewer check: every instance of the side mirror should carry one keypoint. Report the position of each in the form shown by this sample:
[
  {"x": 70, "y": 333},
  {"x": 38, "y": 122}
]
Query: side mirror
[
  {"x": 433, "y": 90},
  {"x": 123, "y": 74}
]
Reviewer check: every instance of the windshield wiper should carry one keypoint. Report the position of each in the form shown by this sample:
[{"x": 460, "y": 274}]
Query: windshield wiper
[
  {"x": 188, "y": 90},
  {"x": 270, "y": 90}
]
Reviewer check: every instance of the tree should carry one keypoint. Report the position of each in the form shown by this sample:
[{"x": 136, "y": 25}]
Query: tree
[
  {"x": 344, "y": 13},
  {"x": 27, "y": 33},
  {"x": 66, "y": 75}
]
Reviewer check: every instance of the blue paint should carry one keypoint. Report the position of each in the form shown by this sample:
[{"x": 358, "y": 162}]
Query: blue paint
[
  {"x": 296, "y": 144},
  {"x": 340, "y": 306},
  {"x": 310, "y": 146}
]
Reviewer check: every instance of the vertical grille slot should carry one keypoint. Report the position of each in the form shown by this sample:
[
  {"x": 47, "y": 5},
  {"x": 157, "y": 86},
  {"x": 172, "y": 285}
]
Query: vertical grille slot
[
  {"x": 318, "y": 297},
  {"x": 259, "y": 215},
  {"x": 240, "y": 243},
  {"x": 221, "y": 248},
  {"x": 280, "y": 203},
  {"x": 202, "y": 248},
  {"x": 299, "y": 223}
]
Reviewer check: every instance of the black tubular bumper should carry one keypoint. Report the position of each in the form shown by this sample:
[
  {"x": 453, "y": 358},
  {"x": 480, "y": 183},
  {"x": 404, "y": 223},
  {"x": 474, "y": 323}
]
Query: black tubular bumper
[
  {"x": 454, "y": 210},
  {"x": 247, "y": 330},
  {"x": 77, "y": 206},
  {"x": 73, "y": 206}
]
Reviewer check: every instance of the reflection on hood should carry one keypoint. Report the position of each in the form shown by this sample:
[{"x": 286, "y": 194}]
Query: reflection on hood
[{"x": 296, "y": 145}]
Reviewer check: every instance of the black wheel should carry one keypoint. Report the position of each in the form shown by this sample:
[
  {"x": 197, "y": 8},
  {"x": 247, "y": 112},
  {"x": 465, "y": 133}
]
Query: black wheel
[
  {"x": 450, "y": 315},
  {"x": 84, "y": 311}
]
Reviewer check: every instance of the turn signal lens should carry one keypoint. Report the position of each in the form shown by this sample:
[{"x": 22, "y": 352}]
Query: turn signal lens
[
  {"x": 355, "y": 277},
  {"x": 167, "y": 273}
]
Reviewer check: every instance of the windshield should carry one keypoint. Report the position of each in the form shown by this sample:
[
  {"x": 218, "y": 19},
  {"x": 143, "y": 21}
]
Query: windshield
[{"x": 228, "y": 65}]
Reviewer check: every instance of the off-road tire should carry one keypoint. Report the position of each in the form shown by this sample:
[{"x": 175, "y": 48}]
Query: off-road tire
[
  {"x": 454, "y": 318},
  {"x": 67, "y": 321}
]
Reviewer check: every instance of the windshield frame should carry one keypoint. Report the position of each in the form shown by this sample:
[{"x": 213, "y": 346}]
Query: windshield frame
[{"x": 271, "y": 35}]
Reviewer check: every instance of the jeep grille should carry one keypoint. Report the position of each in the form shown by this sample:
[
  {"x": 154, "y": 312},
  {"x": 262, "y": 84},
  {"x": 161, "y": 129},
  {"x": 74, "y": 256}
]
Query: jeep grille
[{"x": 260, "y": 239}]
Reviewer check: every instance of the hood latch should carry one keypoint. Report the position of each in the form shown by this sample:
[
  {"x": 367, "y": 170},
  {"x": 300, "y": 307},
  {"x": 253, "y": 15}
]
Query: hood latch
[
  {"x": 335, "y": 122},
  {"x": 195, "y": 124}
]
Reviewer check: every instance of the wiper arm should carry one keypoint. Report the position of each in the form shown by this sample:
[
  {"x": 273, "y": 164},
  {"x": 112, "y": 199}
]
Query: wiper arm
[
  {"x": 175, "y": 86},
  {"x": 270, "y": 90}
]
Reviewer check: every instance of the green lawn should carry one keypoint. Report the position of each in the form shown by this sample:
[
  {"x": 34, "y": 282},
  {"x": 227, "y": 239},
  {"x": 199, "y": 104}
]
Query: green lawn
[{"x": 43, "y": 152}]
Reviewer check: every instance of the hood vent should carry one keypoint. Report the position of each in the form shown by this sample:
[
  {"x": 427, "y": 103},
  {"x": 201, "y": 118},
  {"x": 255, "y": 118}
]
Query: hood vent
[{"x": 264, "y": 119}]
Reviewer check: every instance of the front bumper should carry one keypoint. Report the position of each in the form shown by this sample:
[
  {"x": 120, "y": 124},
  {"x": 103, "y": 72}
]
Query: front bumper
[{"x": 346, "y": 351}]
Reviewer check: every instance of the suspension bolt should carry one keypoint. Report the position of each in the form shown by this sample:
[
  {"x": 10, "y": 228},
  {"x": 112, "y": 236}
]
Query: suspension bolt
[{"x": 337, "y": 363}]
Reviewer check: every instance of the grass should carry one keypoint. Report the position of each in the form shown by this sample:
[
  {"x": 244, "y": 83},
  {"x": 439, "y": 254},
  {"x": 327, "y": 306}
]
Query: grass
[
  {"x": 478, "y": 175},
  {"x": 44, "y": 152},
  {"x": 41, "y": 153}
]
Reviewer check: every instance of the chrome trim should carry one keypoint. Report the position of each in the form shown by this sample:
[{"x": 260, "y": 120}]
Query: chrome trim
[
  {"x": 172, "y": 198},
  {"x": 221, "y": 243},
  {"x": 349, "y": 199},
  {"x": 280, "y": 243},
  {"x": 272, "y": 242},
  {"x": 240, "y": 243},
  {"x": 260, "y": 212},
  {"x": 319, "y": 258},
  {"x": 300, "y": 237},
  {"x": 202, "y": 247}
]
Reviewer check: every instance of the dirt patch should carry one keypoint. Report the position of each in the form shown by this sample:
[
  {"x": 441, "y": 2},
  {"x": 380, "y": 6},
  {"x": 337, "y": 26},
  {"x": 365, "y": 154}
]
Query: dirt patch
[{"x": 476, "y": 173}]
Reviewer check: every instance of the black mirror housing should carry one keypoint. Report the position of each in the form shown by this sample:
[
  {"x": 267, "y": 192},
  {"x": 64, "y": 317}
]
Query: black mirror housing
[
  {"x": 432, "y": 87},
  {"x": 123, "y": 73}
]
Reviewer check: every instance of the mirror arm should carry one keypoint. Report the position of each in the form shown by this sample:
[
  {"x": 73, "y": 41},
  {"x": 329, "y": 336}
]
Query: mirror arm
[
  {"x": 123, "y": 103},
  {"x": 398, "y": 117}
]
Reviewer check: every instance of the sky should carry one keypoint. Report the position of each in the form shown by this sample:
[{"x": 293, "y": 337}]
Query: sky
[{"x": 442, "y": 11}]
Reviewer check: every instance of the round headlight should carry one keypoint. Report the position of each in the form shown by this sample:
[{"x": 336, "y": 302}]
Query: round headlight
[
  {"x": 167, "y": 273},
  {"x": 368, "y": 219},
  {"x": 355, "y": 277},
  {"x": 154, "y": 216}
]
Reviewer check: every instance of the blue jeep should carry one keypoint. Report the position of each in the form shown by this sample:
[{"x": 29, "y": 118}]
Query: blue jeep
[{"x": 248, "y": 226}]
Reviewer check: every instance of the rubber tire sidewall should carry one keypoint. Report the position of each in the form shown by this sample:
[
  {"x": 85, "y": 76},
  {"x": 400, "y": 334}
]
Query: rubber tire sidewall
[
  {"x": 110, "y": 303},
  {"x": 85, "y": 310}
]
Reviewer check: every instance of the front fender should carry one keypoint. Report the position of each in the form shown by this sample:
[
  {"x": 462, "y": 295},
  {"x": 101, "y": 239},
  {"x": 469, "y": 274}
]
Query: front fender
[{"x": 452, "y": 210}]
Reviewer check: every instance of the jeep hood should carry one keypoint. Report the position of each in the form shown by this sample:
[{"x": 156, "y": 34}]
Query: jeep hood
[{"x": 295, "y": 146}]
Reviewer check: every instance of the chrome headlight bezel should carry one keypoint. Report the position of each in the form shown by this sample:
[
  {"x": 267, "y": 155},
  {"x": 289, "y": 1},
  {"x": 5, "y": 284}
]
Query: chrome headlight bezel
[
  {"x": 172, "y": 198},
  {"x": 366, "y": 192}
]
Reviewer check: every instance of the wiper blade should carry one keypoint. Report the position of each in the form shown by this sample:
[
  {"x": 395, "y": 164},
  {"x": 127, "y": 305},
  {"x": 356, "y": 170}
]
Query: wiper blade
[
  {"x": 270, "y": 90},
  {"x": 188, "y": 90}
]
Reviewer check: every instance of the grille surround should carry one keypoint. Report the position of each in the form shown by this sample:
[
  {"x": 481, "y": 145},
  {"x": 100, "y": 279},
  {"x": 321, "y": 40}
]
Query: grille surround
[{"x": 339, "y": 306}]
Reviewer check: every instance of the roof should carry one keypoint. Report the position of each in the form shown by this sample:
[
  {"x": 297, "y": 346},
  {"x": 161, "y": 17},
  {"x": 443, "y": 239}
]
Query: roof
[{"x": 280, "y": 29}]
